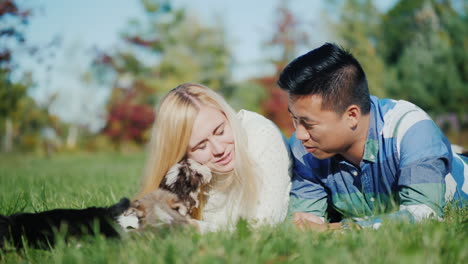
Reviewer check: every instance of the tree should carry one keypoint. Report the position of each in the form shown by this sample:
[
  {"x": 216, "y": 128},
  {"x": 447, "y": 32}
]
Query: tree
[
  {"x": 181, "y": 50},
  {"x": 356, "y": 27},
  {"x": 10, "y": 92},
  {"x": 426, "y": 52},
  {"x": 17, "y": 109},
  {"x": 287, "y": 39}
]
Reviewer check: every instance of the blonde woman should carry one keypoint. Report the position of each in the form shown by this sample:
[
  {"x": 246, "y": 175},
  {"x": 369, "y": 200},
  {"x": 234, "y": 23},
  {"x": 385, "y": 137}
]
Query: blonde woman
[{"x": 245, "y": 152}]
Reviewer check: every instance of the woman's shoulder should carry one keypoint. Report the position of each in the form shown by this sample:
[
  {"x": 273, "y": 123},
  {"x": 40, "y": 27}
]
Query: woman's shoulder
[
  {"x": 259, "y": 129},
  {"x": 252, "y": 120}
]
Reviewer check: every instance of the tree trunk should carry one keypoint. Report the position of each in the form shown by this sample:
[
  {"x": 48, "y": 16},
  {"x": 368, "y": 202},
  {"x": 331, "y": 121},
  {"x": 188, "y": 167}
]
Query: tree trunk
[
  {"x": 8, "y": 138},
  {"x": 72, "y": 137}
]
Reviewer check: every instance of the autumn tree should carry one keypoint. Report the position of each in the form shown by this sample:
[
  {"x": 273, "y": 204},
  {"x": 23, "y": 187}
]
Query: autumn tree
[
  {"x": 288, "y": 37},
  {"x": 168, "y": 48}
]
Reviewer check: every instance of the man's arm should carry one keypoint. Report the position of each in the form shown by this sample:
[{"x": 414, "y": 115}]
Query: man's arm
[
  {"x": 424, "y": 160},
  {"x": 308, "y": 200}
]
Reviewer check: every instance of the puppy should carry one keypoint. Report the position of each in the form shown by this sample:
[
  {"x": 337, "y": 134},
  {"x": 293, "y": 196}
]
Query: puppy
[
  {"x": 156, "y": 209},
  {"x": 169, "y": 205},
  {"x": 173, "y": 202},
  {"x": 39, "y": 229}
]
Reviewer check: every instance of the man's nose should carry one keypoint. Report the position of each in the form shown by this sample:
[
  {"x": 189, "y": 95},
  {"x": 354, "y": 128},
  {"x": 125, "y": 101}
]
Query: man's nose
[{"x": 302, "y": 133}]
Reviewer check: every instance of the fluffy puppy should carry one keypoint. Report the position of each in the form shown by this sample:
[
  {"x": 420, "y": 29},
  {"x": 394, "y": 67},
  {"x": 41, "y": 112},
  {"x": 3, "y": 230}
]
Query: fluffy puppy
[
  {"x": 39, "y": 229},
  {"x": 156, "y": 209},
  {"x": 169, "y": 205},
  {"x": 185, "y": 179},
  {"x": 173, "y": 202}
]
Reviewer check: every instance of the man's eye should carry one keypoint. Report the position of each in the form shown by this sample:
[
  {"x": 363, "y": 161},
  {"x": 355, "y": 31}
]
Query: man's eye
[
  {"x": 307, "y": 126},
  {"x": 219, "y": 133}
]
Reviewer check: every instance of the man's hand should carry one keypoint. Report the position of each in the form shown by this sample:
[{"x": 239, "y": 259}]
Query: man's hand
[
  {"x": 302, "y": 216},
  {"x": 308, "y": 221}
]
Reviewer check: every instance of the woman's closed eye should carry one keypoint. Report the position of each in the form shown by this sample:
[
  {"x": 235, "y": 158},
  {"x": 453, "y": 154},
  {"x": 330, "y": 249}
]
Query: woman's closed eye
[
  {"x": 220, "y": 132},
  {"x": 201, "y": 146}
]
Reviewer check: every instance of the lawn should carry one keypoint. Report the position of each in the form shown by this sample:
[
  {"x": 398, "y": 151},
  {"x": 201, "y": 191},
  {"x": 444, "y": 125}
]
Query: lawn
[{"x": 31, "y": 184}]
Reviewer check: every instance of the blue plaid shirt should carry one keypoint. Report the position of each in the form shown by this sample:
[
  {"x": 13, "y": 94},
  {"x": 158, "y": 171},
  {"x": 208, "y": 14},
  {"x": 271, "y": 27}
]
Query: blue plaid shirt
[{"x": 408, "y": 171}]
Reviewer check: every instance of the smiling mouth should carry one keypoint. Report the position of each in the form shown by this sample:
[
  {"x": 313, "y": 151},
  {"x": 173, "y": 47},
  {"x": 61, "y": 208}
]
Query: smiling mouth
[
  {"x": 225, "y": 160},
  {"x": 310, "y": 149}
]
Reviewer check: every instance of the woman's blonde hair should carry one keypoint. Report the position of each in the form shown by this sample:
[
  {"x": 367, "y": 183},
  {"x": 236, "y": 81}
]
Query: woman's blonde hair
[{"x": 170, "y": 137}]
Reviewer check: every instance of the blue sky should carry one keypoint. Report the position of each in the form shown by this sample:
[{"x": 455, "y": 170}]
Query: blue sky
[{"x": 96, "y": 23}]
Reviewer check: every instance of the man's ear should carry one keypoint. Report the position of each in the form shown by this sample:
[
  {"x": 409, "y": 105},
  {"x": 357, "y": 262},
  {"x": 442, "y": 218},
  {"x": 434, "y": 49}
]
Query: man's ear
[{"x": 352, "y": 116}]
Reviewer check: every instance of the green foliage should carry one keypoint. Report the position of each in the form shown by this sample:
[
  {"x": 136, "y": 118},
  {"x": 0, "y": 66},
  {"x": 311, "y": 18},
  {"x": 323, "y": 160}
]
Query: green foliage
[
  {"x": 181, "y": 47},
  {"x": 246, "y": 95},
  {"x": 416, "y": 51},
  {"x": 425, "y": 51},
  {"x": 78, "y": 181},
  {"x": 357, "y": 29},
  {"x": 10, "y": 94},
  {"x": 168, "y": 48}
]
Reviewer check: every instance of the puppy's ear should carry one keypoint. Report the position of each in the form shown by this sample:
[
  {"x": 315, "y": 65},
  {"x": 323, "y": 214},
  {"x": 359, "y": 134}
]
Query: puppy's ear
[
  {"x": 204, "y": 171},
  {"x": 178, "y": 206},
  {"x": 139, "y": 208},
  {"x": 120, "y": 207},
  {"x": 136, "y": 204}
]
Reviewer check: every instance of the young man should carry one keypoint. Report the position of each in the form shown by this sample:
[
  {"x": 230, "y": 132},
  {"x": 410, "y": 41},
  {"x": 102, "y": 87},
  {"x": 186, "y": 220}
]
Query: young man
[{"x": 363, "y": 157}]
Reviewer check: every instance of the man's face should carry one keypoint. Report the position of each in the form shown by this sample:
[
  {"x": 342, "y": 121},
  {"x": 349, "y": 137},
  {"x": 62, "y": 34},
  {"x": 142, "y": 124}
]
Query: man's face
[{"x": 323, "y": 133}]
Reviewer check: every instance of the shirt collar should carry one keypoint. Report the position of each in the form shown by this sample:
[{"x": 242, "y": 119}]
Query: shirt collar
[{"x": 371, "y": 148}]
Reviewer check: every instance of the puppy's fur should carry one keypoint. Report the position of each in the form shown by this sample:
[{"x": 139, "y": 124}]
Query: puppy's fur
[
  {"x": 173, "y": 202},
  {"x": 185, "y": 179},
  {"x": 156, "y": 209},
  {"x": 39, "y": 229},
  {"x": 169, "y": 205}
]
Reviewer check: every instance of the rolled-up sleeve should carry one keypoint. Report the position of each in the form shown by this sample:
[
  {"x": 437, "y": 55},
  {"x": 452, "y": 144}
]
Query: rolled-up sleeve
[
  {"x": 307, "y": 194},
  {"x": 425, "y": 160}
]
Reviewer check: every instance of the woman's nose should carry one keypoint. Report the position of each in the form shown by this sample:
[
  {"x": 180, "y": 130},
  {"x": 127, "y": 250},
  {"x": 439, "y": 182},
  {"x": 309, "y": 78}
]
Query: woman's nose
[{"x": 217, "y": 147}]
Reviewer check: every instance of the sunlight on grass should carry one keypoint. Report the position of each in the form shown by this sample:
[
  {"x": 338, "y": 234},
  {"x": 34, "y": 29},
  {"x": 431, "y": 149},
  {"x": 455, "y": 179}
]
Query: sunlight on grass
[{"x": 78, "y": 181}]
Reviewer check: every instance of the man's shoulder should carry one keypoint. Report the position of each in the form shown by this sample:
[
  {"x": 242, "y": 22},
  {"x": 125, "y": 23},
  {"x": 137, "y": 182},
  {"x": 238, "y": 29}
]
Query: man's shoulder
[{"x": 398, "y": 116}]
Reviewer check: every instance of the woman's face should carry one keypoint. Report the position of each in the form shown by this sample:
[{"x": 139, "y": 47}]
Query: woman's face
[{"x": 212, "y": 142}]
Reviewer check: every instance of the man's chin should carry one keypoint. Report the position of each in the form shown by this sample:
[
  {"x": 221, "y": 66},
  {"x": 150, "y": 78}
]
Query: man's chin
[{"x": 322, "y": 155}]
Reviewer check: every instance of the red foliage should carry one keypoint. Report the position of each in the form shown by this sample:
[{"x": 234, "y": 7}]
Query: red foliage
[
  {"x": 142, "y": 42},
  {"x": 10, "y": 7},
  {"x": 129, "y": 122},
  {"x": 275, "y": 107}
]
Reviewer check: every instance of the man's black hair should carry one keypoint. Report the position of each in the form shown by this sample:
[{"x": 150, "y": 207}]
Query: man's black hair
[{"x": 330, "y": 72}]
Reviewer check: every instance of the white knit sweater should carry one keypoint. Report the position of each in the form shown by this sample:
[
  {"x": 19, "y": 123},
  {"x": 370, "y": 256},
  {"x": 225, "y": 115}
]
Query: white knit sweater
[{"x": 269, "y": 151}]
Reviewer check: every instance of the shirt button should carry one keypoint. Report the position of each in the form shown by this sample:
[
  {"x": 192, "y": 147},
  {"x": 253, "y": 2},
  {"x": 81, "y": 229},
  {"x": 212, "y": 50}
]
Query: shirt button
[
  {"x": 372, "y": 156},
  {"x": 372, "y": 199},
  {"x": 355, "y": 173}
]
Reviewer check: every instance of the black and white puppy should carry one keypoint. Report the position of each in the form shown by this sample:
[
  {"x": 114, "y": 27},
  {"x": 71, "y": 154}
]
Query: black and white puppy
[
  {"x": 173, "y": 202},
  {"x": 38, "y": 229},
  {"x": 169, "y": 205}
]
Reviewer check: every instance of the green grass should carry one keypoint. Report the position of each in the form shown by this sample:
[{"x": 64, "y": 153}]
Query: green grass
[{"x": 77, "y": 181}]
